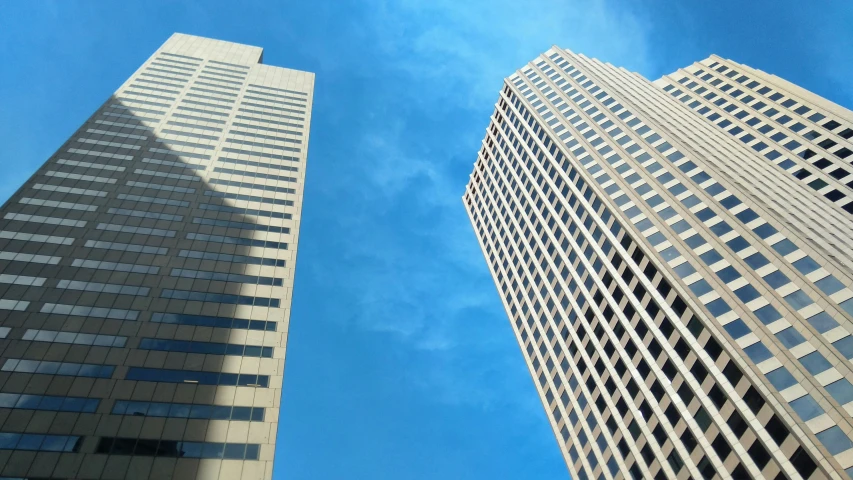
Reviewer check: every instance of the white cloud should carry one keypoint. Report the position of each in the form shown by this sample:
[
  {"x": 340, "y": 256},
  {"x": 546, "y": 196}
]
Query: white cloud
[
  {"x": 411, "y": 264},
  {"x": 471, "y": 47}
]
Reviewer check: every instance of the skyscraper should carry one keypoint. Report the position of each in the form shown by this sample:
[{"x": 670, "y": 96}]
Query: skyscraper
[
  {"x": 675, "y": 259},
  {"x": 146, "y": 272}
]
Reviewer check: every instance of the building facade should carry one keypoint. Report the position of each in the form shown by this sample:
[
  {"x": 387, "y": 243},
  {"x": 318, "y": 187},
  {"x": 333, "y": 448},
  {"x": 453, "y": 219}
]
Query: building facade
[
  {"x": 675, "y": 259},
  {"x": 146, "y": 273}
]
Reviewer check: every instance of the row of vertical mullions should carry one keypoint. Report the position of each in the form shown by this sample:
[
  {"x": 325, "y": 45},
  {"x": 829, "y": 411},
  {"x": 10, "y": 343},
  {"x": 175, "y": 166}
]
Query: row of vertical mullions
[
  {"x": 755, "y": 132},
  {"x": 575, "y": 369},
  {"x": 617, "y": 377},
  {"x": 586, "y": 117},
  {"x": 821, "y": 295},
  {"x": 608, "y": 327},
  {"x": 838, "y": 220},
  {"x": 192, "y": 81},
  {"x": 571, "y": 431},
  {"x": 785, "y": 461},
  {"x": 152, "y": 127},
  {"x": 731, "y": 397},
  {"x": 830, "y": 126},
  {"x": 830, "y": 302}
]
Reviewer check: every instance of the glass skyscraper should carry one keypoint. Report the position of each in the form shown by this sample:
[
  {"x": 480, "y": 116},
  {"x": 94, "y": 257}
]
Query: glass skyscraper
[
  {"x": 146, "y": 273},
  {"x": 675, "y": 258}
]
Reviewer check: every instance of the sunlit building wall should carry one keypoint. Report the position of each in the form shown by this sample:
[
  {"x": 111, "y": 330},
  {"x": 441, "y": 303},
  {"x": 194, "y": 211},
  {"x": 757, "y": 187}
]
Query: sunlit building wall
[{"x": 675, "y": 259}]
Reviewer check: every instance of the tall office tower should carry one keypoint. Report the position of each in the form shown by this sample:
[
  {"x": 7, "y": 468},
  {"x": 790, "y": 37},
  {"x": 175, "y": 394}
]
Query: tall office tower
[
  {"x": 682, "y": 300},
  {"x": 146, "y": 272}
]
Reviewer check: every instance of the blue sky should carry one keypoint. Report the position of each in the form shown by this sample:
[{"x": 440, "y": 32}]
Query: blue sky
[{"x": 401, "y": 362}]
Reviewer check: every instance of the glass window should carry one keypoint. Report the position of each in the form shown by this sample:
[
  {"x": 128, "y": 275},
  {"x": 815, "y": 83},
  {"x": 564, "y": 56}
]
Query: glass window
[
  {"x": 790, "y": 337},
  {"x": 695, "y": 241},
  {"x": 747, "y": 293},
  {"x": 806, "y": 265},
  {"x": 759, "y": 455},
  {"x": 784, "y": 247},
  {"x": 845, "y": 346},
  {"x": 711, "y": 257},
  {"x": 841, "y": 391},
  {"x": 829, "y": 285},
  {"x": 798, "y": 299},
  {"x": 757, "y": 352},
  {"x": 684, "y": 269},
  {"x": 777, "y": 430},
  {"x": 737, "y": 328},
  {"x": 738, "y": 243},
  {"x": 764, "y": 230},
  {"x": 806, "y": 407},
  {"x": 834, "y": 440},
  {"x": 756, "y": 261},
  {"x": 781, "y": 378},
  {"x": 721, "y": 228},
  {"x": 718, "y": 307},
  {"x": 822, "y": 322},
  {"x": 803, "y": 463},
  {"x": 234, "y": 451},
  {"x": 776, "y": 279},
  {"x": 728, "y": 274},
  {"x": 30, "y": 442},
  {"x": 703, "y": 419},
  {"x": 815, "y": 363}
]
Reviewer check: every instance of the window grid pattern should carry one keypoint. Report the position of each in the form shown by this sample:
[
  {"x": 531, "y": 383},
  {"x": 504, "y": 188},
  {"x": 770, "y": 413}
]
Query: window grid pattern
[
  {"x": 512, "y": 163},
  {"x": 161, "y": 233}
]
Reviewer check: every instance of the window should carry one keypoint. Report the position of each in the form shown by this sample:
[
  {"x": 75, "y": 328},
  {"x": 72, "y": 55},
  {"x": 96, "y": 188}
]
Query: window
[
  {"x": 759, "y": 454},
  {"x": 829, "y": 285},
  {"x": 220, "y": 298},
  {"x": 776, "y": 279},
  {"x": 702, "y": 419},
  {"x": 210, "y": 348},
  {"x": 737, "y": 424},
  {"x": 777, "y": 430},
  {"x": 845, "y": 346},
  {"x": 737, "y": 328},
  {"x": 806, "y": 407},
  {"x": 235, "y": 241},
  {"x": 756, "y": 261},
  {"x": 226, "y": 277},
  {"x": 171, "y": 448},
  {"x": 43, "y": 443},
  {"x": 209, "y": 321},
  {"x": 102, "y": 287},
  {"x": 834, "y": 440},
  {"x": 718, "y": 307},
  {"x": 187, "y": 410},
  {"x": 815, "y": 363},
  {"x": 757, "y": 352},
  {"x": 822, "y": 322},
  {"x": 44, "y": 402},
  {"x": 841, "y": 391},
  {"x": 831, "y": 125},
  {"x": 803, "y": 463},
  {"x": 74, "y": 338},
  {"x": 84, "y": 311},
  {"x": 201, "y": 378},
  {"x": 58, "y": 368},
  {"x": 798, "y": 299},
  {"x": 728, "y": 274},
  {"x": 790, "y": 337}
]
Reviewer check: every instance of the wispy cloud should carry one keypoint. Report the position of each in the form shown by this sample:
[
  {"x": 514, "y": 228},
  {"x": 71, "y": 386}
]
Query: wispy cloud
[{"x": 409, "y": 263}]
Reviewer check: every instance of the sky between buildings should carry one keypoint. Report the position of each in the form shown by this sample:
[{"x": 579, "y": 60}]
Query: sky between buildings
[{"x": 401, "y": 362}]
